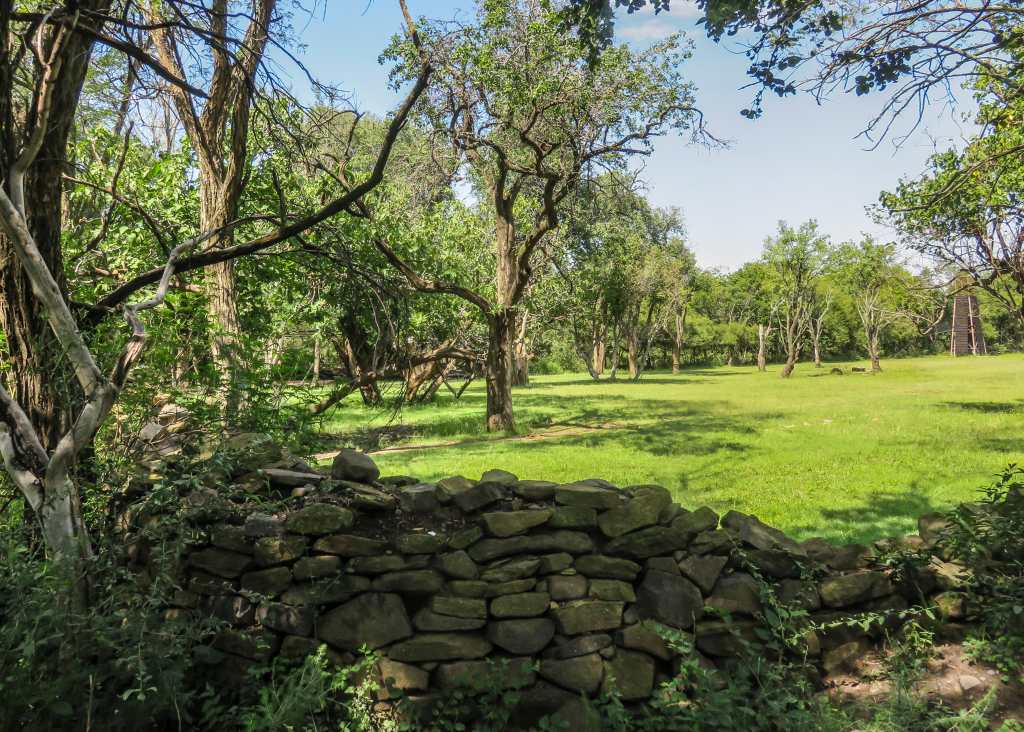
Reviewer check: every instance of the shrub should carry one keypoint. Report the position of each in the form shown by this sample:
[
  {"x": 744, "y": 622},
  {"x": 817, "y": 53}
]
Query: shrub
[{"x": 988, "y": 538}]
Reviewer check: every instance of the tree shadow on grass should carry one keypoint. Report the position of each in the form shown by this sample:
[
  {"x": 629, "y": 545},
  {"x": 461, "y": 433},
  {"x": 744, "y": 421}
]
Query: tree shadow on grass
[
  {"x": 691, "y": 430},
  {"x": 987, "y": 407},
  {"x": 1005, "y": 445},
  {"x": 713, "y": 372},
  {"x": 882, "y": 513},
  {"x": 680, "y": 380}
]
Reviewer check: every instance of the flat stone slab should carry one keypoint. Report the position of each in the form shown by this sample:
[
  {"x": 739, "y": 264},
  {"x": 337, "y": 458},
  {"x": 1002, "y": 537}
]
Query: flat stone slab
[
  {"x": 318, "y": 519},
  {"x": 426, "y": 619},
  {"x": 459, "y": 607},
  {"x": 309, "y": 568},
  {"x": 588, "y": 616},
  {"x": 522, "y": 605},
  {"x": 349, "y": 545},
  {"x": 291, "y": 478},
  {"x": 440, "y": 647},
  {"x": 650, "y": 542},
  {"x": 598, "y": 565},
  {"x": 480, "y": 496},
  {"x": 510, "y": 523},
  {"x": 571, "y": 542},
  {"x": 590, "y": 496}
]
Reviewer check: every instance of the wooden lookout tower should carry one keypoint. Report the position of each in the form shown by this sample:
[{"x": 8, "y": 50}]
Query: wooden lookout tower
[{"x": 965, "y": 336}]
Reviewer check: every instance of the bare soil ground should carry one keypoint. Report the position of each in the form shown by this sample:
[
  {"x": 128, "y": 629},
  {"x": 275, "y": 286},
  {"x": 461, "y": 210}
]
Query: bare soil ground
[{"x": 952, "y": 680}]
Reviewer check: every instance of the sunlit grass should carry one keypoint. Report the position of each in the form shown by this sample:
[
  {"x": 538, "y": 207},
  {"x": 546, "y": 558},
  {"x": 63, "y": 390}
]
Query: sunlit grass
[{"x": 851, "y": 457}]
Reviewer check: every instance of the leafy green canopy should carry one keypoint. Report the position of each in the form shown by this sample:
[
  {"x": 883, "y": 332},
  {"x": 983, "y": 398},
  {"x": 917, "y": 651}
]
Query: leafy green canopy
[
  {"x": 910, "y": 51},
  {"x": 966, "y": 211}
]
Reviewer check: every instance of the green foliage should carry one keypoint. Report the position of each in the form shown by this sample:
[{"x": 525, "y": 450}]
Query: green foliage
[
  {"x": 988, "y": 538},
  {"x": 312, "y": 694},
  {"x": 120, "y": 665}
]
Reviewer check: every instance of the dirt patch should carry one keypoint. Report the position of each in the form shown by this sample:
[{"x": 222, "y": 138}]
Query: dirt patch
[{"x": 952, "y": 680}]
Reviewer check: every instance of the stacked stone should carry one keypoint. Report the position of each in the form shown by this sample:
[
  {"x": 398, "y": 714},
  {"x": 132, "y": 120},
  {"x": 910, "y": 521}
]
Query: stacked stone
[{"x": 572, "y": 580}]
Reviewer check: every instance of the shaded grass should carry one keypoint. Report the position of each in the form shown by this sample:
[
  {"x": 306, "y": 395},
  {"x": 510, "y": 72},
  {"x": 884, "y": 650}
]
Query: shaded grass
[{"x": 851, "y": 457}]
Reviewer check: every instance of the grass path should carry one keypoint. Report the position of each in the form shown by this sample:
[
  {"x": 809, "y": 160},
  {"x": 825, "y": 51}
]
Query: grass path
[{"x": 849, "y": 457}]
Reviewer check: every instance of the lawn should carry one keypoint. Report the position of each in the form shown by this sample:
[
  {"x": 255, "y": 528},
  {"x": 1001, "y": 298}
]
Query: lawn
[{"x": 852, "y": 457}]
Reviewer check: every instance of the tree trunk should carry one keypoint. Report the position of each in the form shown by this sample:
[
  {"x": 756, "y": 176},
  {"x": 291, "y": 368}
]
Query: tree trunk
[
  {"x": 633, "y": 357},
  {"x": 316, "y": 359},
  {"x": 762, "y": 338},
  {"x": 788, "y": 367},
  {"x": 792, "y": 355},
  {"x": 677, "y": 342},
  {"x": 817, "y": 354},
  {"x": 421, "y": 381},
  {"x": 501, "y": 327},
  {"x": 217, "y": 209},
  {"x": 598, "y": 358},
  {"x": 43, "y": 382},
  {"x": 521, "y": 370},
  {"x": 874, "y": 350},
  {"x": 521, "y": 358},
  {"x": 614, "y": 357},
  {"x": 358, "y": 361}
]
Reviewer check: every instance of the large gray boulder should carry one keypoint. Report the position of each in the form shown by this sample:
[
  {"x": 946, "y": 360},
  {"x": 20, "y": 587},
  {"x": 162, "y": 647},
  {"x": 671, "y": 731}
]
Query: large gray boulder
[{"x": 355, "y": 466}]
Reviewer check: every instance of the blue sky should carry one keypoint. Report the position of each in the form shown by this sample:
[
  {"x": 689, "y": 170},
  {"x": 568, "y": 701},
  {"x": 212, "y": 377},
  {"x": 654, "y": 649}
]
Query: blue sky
[{"x": 800, "y": 160}]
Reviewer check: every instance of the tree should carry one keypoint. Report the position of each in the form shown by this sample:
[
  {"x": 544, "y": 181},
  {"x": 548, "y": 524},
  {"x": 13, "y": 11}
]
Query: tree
[
  {"x": 742, "y": 298},
  {"x": 680, "y": 274},
  {"x": 42, "y": 434},
  {"x": 794, "y": 258},
  {"x": 911, "y": 51},
  {"x": 821, "y": 306},
  {"x": 965, "y": 212},
  {"x": 219, "y": 134},
  {"x": 872, "y": 276},
  {"x": 529, "y": 116},
  {"x": 40, "y": 127}
]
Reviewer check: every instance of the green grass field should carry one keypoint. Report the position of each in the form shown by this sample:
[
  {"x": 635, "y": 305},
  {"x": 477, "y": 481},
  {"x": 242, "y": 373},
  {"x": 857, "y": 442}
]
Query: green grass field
[{"x": 850, "y": 457}]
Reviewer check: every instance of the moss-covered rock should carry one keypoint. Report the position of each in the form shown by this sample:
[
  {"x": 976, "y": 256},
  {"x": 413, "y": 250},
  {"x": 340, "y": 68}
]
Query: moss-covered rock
[
  {"x": 318, "y": 519},
  {"x": 372, "y": 619}
]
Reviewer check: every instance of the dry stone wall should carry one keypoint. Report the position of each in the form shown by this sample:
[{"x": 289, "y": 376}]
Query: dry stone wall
[{"x": 571, "y": 584}]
